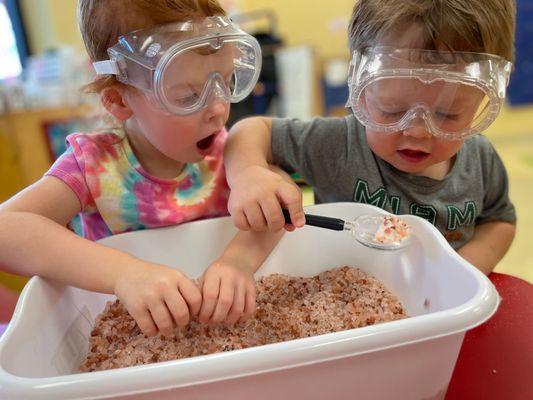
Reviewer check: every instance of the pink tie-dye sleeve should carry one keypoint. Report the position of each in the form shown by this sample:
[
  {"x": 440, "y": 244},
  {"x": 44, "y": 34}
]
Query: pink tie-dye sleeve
[{"x": 68, "y": 170}]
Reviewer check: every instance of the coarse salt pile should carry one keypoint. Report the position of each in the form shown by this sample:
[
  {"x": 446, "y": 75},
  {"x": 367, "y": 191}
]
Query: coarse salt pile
[{"x": 287, "y": 308}]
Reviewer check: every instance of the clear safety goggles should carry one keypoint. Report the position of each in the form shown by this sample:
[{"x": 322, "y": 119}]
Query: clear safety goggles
[
  {"x": 454, "y": 94},
  {"x": 180, "y": 66}
]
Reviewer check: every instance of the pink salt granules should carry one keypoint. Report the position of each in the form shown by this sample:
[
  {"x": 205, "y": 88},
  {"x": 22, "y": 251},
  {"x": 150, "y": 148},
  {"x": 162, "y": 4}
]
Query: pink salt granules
[
  {"x": 287, "y": 308},
  {"x": 392, "y": 230}
]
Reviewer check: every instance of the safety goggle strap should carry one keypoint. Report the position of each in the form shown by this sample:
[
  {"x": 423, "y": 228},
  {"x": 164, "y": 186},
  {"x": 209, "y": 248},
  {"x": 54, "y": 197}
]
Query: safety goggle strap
[{"x": 107, "y": 67}]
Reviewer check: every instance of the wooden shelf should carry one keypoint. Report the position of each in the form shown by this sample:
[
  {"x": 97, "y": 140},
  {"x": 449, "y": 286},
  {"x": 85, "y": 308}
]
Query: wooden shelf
[{"x": 24, "y": 152}]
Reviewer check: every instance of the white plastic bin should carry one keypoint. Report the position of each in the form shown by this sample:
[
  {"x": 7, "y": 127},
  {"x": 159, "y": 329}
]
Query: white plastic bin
[{"x": 407, "y": 359}]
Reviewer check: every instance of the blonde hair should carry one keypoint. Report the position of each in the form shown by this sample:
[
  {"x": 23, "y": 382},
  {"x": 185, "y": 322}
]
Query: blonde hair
[
  {"x": 102, "y": 22},
  {"x": 486, "y": 26}
]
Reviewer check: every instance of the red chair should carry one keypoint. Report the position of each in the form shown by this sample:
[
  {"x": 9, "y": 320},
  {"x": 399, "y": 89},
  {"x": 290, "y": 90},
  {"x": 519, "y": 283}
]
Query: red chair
[
  {"x": 496, "y": 359},
  {"x": 8, "y": 300}
]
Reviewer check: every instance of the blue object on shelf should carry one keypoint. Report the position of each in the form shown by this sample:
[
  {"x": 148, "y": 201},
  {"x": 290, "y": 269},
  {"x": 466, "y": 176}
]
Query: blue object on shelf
[
  {"x": 334, "y": 95},
  {"x": 57, "y": 131},
  {"x": 521, "y": 84}
]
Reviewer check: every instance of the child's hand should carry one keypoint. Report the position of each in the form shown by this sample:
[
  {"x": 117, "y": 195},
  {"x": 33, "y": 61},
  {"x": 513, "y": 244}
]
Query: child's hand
[
  {"x": 228, "y": 294},
  {"x": 257, "y": 197},
  {"x": 158, "y": 297}
]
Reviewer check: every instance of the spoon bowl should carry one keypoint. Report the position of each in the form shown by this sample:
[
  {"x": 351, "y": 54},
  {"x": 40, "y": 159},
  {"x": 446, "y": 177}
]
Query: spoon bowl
[{"x": 363, "y": 229}]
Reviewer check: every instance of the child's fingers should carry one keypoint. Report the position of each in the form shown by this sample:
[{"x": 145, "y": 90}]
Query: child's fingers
[
  {"x": 273, "y": 214},
  {"x": 236, "y": 211},
  {"x": 210, "y": 291},
  {"x": 237, "y": 309},
  {"x": 255, "y": 218},
  {"x": 162, "y": 318},
  {"x": 249, "y": 303},
  {"x": 224, "y": 303},
  {"x": 291, "y": 198},
  {"x": 191, "y": 294},
  {"x": 200, "y": 283},
  {"x": 177, "y": 307},
  {"x": 144, "y": 320},
  {"x": 289, "y": 227},
  {"x": 240, "y": 221}
]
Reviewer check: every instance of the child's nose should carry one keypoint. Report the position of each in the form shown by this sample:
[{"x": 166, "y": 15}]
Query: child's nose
[
  {"x": 216, "y": 107},
  {"x": 418, "y": 130}
]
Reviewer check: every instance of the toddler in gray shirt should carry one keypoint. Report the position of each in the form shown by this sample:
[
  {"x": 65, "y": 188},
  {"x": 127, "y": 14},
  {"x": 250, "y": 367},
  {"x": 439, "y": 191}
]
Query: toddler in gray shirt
[{"x": 421, "y": 91}]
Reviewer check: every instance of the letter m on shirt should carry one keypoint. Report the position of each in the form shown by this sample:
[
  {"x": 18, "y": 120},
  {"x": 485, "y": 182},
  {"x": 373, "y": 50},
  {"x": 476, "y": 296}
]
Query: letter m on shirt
[
  {"x": 458, "y": 218},
  {"x": 362, "y": 195}
]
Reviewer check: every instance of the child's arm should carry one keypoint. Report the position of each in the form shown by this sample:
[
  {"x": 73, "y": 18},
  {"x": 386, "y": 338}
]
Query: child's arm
[
  {"x": 34, "y": 241},
  {"x": 488, "y": 246},
  {"x": 258, "y": 193},
  {"x": 228, "y": 285}
]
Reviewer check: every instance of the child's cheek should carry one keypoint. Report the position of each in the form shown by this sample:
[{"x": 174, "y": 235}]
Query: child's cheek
[
  {"x": 379, "y": 142},
  {"x": 445, "y": 149},
  {"x": 172, "y": 137}
]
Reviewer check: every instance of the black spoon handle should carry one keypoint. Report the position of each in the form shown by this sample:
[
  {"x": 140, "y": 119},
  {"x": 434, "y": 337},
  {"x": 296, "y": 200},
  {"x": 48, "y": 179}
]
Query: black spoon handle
[{"x": 318, "y": 220}]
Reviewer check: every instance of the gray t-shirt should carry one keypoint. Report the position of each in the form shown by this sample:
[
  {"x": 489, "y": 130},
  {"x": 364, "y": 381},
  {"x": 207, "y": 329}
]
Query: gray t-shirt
[{"x": 333, "y": 156}]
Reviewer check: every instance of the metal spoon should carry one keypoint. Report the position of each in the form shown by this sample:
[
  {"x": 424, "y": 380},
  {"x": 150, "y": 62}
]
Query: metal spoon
[{"x": 363, "y": 229}]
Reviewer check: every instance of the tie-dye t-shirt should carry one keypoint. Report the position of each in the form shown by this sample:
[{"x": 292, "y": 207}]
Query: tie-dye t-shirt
[{"x": 117, "y": 195}]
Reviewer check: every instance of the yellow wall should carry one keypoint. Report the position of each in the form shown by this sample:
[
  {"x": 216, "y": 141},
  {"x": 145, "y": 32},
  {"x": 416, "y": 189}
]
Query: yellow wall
[
  {"x": 321, "y": 23},
  {"x": 50, "y": 23}
]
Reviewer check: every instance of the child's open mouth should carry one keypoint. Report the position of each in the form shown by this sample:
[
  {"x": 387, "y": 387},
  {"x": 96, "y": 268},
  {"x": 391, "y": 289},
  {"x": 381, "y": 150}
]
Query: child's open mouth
[
  {"x": 206, "y": 143},
  {"x": 413, "y": 155}
]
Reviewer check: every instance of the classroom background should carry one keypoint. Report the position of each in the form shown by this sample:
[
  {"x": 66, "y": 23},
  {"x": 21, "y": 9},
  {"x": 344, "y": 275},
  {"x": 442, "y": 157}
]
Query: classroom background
[{"x": 304, "y": 74}]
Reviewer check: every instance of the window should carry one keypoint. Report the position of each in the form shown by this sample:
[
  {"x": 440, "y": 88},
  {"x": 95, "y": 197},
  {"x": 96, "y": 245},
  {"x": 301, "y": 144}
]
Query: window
[{"x": 13, "y": 49}]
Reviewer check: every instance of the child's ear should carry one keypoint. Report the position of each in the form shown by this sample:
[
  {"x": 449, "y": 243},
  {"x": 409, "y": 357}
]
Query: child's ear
[{"x": 113, "y": 99}]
